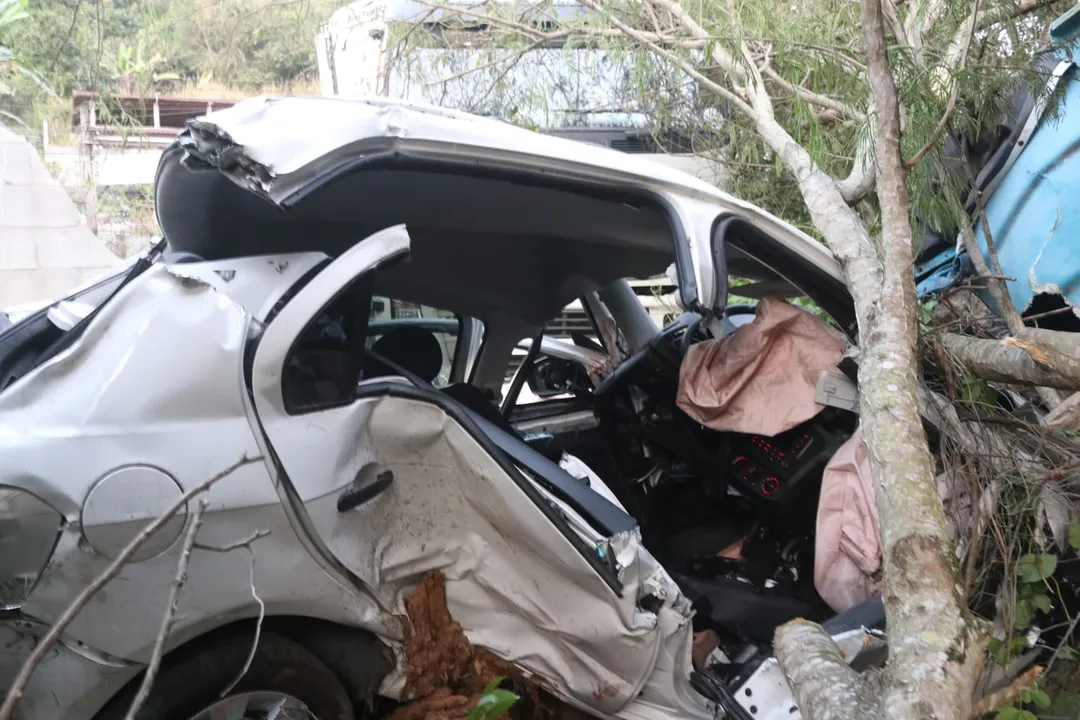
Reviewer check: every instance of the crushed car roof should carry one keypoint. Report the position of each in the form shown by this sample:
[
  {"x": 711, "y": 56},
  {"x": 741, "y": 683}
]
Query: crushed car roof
[
  {"x": 334, "y": 123},
  {"x": 276, "y": 145}
]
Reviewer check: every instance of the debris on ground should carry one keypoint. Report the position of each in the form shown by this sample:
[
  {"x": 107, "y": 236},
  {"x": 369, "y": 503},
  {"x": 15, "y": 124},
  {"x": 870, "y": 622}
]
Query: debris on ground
[{"x": 446, "y": 675}]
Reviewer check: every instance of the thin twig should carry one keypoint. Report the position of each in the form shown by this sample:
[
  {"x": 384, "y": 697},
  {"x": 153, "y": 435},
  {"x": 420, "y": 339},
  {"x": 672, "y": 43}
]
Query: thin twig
[
  {"x": 1048, "y": 313},
  {"x": 515, "y": 58},
  {"x": 16, "y": 690},
  {"x": 245, "y": 543},
  {"x": 170, "y": 612},
  {"x": 258, "y": 628}
]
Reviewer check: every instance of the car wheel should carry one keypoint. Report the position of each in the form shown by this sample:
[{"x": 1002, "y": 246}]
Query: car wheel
[{"x": 284, "y": 680}]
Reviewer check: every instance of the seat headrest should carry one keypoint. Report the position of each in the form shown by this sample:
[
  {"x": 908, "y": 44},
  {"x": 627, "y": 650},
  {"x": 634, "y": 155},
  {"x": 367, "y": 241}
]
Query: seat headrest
[{"x": 413, "y": 348}]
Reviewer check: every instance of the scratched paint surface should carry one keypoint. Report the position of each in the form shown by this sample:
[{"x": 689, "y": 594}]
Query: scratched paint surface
[{"x": 1033, "y": 216}]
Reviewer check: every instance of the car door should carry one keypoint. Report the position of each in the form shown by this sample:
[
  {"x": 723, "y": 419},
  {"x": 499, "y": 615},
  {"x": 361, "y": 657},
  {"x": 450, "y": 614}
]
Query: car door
[{"x": 396, "y": 481}]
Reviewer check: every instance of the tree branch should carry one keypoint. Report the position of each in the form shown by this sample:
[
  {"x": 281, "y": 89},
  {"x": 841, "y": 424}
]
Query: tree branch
[
  {"x": 1007, "y": 695},
  {"x": 170, "y": 612},
  {"x": 80, "y": 601},
  {"x": 825, "y": 686},
  {"x": 930, "y": 17},
  {"x": 1025, "y": 7},
  {"x": 1066, "y": 416},
  {"x": 67, "y": 38},
  {"x": 900, "y": 32},
  {"x": 860, "y": 182},
  {"x": 721, "y": 57},
  {"x": 672, "y": 57},
  {"x": 1015, "y": 361},
  {"x": 535, "y": 33},
  {"x": 813, "y": 98},
  {"x": 929, "y": 674}
]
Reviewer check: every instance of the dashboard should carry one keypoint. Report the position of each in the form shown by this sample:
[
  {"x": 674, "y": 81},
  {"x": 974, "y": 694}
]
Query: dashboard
[
  {"x": 782, "y": 469},
  {"x": 782, "y": 472}
]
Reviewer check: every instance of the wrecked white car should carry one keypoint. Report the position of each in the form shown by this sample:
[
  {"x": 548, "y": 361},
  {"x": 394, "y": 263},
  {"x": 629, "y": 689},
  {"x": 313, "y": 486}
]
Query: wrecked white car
[{"x": 634, "y": 559}]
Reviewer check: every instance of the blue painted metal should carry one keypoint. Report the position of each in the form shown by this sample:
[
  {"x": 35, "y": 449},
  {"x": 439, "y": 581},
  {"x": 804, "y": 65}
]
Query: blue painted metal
[
  {"x": 1034, "y": 211},
  {"x": 1034, "y": 215}
]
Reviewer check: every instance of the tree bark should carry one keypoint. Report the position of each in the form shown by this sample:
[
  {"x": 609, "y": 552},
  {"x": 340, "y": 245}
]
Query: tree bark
[
  {"x": 1066, "y": 416},
  {"x": 1025, "y": 360},
  {"x": 825, "y": 686},
  {"x": 929, "y": 674}
]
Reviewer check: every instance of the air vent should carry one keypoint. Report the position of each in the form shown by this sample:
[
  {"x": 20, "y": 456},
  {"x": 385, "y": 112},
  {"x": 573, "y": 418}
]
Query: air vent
[{"x": 569, "y": 321}]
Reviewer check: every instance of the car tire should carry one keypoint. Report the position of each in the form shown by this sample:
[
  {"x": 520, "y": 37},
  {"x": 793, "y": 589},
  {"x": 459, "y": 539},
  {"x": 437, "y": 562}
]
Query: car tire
[{"x": 190, "y": 681}]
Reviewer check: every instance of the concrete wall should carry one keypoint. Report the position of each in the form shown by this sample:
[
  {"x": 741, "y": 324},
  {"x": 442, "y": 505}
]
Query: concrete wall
[{"x": 104, "y": 165}]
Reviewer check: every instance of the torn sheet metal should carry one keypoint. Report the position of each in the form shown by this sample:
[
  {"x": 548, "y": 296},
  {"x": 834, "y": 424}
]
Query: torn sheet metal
[
  {"x": 156, "y": 374},
  {"x": 513, "y": 581},
  {"x": 1028, "y": 209},
  {"x": 1036, "y": 234}
]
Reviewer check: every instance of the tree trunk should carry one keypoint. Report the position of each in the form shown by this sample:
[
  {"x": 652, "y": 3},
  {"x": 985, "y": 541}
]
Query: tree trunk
[{"x": 929, "y": 674}]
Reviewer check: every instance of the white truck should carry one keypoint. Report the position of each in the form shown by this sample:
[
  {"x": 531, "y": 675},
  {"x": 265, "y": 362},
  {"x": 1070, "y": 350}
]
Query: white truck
[{"x": 582, "y": 94}]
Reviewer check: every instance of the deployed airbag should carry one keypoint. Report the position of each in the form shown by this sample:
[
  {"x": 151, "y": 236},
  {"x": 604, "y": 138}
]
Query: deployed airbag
[
  {"x": 760, "y": 379},
  {"x": 847, "y": 549}
]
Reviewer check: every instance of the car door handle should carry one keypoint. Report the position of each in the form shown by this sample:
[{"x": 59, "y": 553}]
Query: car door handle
[{"x": 354, "y": 497}]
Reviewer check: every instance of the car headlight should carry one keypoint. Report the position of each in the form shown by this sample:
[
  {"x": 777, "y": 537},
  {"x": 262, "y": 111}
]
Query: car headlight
[{"x": 29, "y": 530}]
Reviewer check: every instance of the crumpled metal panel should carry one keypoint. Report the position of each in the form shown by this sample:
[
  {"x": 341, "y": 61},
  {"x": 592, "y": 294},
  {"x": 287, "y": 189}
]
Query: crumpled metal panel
[
  {"x": 156, "y": 380},
  {"x": 515, "y": 584},
  {"x": 1031, "y": 212},
  {"x": 281, "y": 148}
]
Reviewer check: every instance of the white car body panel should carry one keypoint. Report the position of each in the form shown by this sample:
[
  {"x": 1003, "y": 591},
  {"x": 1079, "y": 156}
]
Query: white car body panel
[
  {"x": 104, "y": 404},
  {"x": 157, "y": 380}
]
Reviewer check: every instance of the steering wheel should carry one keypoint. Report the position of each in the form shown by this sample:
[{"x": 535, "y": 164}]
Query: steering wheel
[
  {"x": 695, "y": 333},
  {"x": 688, "y": 322}
]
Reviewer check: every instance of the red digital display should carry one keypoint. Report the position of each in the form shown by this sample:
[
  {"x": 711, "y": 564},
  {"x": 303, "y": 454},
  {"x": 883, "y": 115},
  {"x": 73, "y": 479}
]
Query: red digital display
[
  {"x": 774, "y": 453},
  {"x": 769, "y": 462}
]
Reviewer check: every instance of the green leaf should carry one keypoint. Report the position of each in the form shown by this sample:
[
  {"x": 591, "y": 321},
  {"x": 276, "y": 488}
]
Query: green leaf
[
  {"x": 1065, "y": 705},
  {"x": 926, "y": 310},
  {"x": 493, "y": 702},
  {"x": 493, "y": 686},
  {"x": 1040, "y": 699},
  {"x": 1067, "y": 653},
  {"x": 1074, "y": 536},
  {"x": 1008, "y": 713},
  {"x": 1042, "y": 602},
  {"x": 1035, "y": 568},
  {"x": 975, "y": 391},
  {"x": 1023, "y": 614}
]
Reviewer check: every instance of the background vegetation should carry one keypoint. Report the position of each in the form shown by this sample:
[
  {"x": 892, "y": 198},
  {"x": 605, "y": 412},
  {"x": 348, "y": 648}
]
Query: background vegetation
[{"x": 218, "y": 49}]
